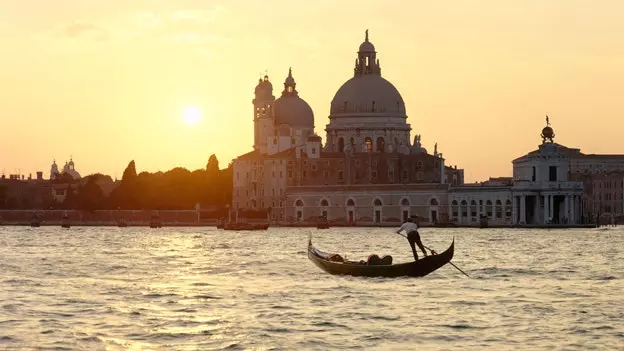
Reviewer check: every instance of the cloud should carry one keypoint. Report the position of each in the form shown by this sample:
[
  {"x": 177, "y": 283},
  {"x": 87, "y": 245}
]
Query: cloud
[
  {"x": 84, "y": 30},
  {"x": 184, "y": 27}
]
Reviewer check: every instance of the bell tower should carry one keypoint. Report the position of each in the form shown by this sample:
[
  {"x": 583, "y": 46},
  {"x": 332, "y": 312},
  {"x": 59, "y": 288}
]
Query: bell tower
[{"x": 263, "y": 114}]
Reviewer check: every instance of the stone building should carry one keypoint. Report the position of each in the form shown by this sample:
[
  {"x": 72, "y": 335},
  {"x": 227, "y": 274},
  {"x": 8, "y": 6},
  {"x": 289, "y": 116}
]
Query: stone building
[{"x": 367, "y": 172}]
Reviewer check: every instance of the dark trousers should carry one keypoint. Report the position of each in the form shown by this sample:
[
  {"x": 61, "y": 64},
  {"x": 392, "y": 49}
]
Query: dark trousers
[{"x": 414, "y": 238}]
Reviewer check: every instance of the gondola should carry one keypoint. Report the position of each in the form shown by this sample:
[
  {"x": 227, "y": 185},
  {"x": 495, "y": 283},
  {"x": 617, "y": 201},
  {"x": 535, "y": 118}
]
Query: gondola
[{"x": 334, "y": 264}]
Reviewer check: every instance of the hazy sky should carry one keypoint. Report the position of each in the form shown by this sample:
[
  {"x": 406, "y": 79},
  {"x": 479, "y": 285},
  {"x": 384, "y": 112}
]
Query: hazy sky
[{"x": 106, "y": 81}]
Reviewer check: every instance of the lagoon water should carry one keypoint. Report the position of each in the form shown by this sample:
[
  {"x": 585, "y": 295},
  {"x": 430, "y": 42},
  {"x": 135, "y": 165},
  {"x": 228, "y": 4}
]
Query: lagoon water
[{"x": 206, "y": 289}]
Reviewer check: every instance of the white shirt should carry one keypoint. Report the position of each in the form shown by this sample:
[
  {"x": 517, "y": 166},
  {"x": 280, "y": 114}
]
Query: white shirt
[{"x": 408, "y": 227}]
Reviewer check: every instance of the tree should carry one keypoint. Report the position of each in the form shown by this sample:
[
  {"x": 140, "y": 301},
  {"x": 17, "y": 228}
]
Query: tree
[
  {"x": 212, "y": 168},
  {"x": 90, "y": 196},
  {"x": 130, "y": 172}
]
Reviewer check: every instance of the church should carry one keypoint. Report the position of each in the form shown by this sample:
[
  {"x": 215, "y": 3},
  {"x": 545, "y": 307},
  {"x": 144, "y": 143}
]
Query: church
[{"x": 368, "y": 171}]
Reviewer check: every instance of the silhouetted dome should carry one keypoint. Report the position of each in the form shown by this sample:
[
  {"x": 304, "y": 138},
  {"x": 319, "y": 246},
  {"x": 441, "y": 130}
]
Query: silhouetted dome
[
  {"x": 290, "y": 108},
  {"x": 368, "y": 93},
  {"x": 367, "y": 46},
  {"x": 294, "y": 111}
]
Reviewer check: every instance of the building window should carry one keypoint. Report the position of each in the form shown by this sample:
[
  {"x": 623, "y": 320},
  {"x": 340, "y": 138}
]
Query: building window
[
  {"x": 340, "y": 175},
  {"x": 534, "y": 172},
  {"x": 499, "y": 209},
  {"x": 454, "y": 209},
  {"x": 340, "y": 145},
  {"x": 326, "y": 174},
  {"x": 381, "y": 144},
  {"x": 552, "y": 173},
  {"x": 281, "y": 174},
  {"x": 289, "y": 174},
  {"x": 369, "y": 144},
  {"x": 488, "y": 208},
  {"x": 313, "y": 151},
  {"x": 304, "y": 174},
  {"x": 374, "y": 174},
  {"x": 377, "y": 216}
]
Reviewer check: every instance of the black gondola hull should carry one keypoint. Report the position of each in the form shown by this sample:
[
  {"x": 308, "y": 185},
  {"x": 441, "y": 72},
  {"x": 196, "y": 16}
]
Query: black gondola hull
[{"x": 418, "y": 268}]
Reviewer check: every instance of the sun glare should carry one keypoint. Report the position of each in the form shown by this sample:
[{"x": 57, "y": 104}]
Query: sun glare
[{"x": 191, "y": 115}]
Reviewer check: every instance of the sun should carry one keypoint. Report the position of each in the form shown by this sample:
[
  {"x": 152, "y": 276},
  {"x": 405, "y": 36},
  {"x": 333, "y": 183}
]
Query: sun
[{"x": 191, "y": 115}]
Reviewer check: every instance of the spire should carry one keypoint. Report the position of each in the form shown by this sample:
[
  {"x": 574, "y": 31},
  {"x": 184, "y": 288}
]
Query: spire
[
  {"x": 366, "y": 39},
  {"x": 289, "y": 85}
]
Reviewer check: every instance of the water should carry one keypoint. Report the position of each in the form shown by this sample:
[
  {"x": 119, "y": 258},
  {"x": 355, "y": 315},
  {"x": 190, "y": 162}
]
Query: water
[{"x": 203, "y": 289}]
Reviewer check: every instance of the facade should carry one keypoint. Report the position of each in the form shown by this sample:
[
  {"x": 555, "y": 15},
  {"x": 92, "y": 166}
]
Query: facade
[
  {"x": 368, "y": 170},
  {"x": 19, "y": 192}
]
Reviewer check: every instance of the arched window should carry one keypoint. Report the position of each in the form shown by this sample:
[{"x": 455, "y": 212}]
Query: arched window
[
  {"x": 373, "y": 106},
  {"x": 433, "y": 201},
  {"x": 340, "y": 145},
  {"x": 454, "y": 209},
  {"x": 488, "y": 208},
  {"x": 352, "y": 141},
  {"x": 464, "y": 208},
  {"x": 499, "y": 209},
  {"x": 299, "y": 203},
  {"x": 253, "y": 204},
  {"x": 405, "y": 202},
  {"x": 350, "y": 203},
  {"x": 369, "y": 144},
  {"x": 377, "y": 202},
  {"x": 324, "y": 203},
  {"x": 508, "y": 209},
  {"x": 381, "y": 144},
  {"x": 473, "y": 209}
]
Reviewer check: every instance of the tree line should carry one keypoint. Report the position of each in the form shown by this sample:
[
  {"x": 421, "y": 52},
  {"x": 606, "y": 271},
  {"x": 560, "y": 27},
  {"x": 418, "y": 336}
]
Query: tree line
[{"x": 176, "y": 189}]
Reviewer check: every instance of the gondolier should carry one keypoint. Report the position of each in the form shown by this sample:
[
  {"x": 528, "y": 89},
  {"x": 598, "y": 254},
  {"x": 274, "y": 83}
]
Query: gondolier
[{"x": 413, "y": 237}]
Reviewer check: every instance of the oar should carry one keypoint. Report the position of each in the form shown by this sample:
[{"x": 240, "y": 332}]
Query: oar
[{"x": 452, "y": 264}]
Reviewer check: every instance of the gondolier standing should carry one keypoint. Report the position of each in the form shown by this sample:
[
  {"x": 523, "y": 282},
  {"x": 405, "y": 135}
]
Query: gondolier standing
[{"x": 413, "y": 237}]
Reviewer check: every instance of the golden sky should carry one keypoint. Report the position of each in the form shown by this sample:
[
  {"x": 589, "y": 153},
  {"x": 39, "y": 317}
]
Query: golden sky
[{"x": 107, "y": 81}]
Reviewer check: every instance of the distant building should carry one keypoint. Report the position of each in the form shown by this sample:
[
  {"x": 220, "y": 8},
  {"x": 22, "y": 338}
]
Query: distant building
[
  {"x": 68, "y": 169},
  {"x": 18, "y": 192}
]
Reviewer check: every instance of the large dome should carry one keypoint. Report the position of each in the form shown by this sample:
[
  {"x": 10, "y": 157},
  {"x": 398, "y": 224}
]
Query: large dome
[
  {"x": 294, "y": 111},
  {"x": 368, "y": 94}
]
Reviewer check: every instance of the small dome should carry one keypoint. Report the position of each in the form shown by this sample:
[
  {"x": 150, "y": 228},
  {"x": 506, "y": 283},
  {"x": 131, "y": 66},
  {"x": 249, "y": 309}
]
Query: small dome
[
  {"x": 548, "y": 132},
  {"x": 294, "y": 111},
  {"x": 290, "y": 108},
  {"x": 367, "y": 46},
  {"x": 368, "y": 93}
]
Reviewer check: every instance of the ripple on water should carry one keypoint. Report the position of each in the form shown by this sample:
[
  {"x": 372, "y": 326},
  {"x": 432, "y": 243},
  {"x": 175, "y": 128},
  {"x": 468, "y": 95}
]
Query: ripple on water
[{"x": 132, "y": 288}]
